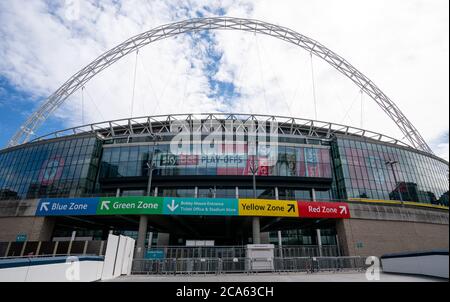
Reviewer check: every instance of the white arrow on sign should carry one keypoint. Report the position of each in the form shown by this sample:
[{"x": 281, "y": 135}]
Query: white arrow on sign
[
  {"x": 343, "y": 209},
  {"x": 44, "y": 206},
  {"x": 105, "y": 205},
  {"x": 173, "y": 206}
]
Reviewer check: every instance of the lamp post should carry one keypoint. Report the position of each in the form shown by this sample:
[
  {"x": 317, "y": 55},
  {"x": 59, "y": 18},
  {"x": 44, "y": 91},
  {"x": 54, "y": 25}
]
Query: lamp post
[
  {"x": 254, "y": 167},
  {"x": 143, "y": 219},
  {"x": 151, "y": 165},
  {"x": 391, "y": 163}
]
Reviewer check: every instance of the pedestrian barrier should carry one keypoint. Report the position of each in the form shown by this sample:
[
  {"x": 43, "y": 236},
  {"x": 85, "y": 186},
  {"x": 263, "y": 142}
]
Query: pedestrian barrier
[
  {"x": 245, "y": 265},
  {"x": 180, "y": 252}
]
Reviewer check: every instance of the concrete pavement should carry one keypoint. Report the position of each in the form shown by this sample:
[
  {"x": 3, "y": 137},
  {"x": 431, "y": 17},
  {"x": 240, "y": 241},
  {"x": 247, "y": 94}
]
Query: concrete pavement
[{"x": 282, "y": 277}]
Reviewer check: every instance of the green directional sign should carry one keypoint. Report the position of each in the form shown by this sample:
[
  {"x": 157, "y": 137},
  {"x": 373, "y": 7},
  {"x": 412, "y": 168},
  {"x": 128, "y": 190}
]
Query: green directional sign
[{"x": 130, "y": 205}]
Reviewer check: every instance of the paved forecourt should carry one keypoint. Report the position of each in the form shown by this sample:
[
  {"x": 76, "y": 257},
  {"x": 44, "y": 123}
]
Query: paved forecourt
[{"x": 282, "y": 277}]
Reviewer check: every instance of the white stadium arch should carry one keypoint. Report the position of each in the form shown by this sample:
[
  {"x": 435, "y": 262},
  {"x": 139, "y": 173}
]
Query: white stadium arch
[{"x": 78, "y": 80}]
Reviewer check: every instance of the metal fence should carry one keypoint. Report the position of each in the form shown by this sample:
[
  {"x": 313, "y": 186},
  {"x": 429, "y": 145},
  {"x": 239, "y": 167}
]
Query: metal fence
[
  {"x": 245, "y": 265},
  {"x": 233, "y": 259},
  {"x": 177, "y": 252}
]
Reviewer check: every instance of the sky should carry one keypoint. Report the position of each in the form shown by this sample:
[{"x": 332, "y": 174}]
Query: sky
[{"x": 402, "y": 46}]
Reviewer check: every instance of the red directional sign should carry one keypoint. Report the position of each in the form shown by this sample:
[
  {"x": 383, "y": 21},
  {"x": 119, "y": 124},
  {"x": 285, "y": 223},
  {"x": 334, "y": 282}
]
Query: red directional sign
[{"x": 323, "y": 209}]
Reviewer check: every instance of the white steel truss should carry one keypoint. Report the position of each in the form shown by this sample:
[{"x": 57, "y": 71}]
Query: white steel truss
[
  {"x": 160, "y": 125},
  {"x": 78, "y": 80}
]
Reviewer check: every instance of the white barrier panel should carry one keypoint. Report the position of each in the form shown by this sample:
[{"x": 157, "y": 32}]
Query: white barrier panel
[
  {"x": 117, "y": 261},
  {"x": 120, "y": 255},
  {"x": 59, "y": 269},
  {"x": 110, "y": 257},
  {"x": 72, "y": 271},
  {"x": 14, "y": 274},
  {"x": 128, "y": 257},
  {"x": 429, "y": 265}
]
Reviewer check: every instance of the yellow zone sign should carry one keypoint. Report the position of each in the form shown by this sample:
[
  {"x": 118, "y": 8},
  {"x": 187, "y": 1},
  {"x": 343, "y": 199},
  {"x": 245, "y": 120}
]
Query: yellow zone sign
[{"x": 268, "y": 207}]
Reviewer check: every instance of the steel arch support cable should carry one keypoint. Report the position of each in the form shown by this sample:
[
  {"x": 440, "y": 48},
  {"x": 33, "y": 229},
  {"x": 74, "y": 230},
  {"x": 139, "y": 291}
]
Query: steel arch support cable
[
  {"x": 313, "y": 87},
  {"x": 134, "y": 82},
  {"x": 218, "y": 23},
  {"x": 82, "y": 105}
]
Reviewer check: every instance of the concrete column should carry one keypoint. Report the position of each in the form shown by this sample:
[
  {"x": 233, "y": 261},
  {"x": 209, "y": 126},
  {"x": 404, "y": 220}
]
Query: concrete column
[
  {"x": 163, "y": 239},
  {"x": 72, "y": 239},
  {"x": 277, "y": 196},
  {"x": 140, "y": 247},
  {"x": 150, "y": 239},
  {"x": 7, "y": 249},
  {"x": 256, "y": 230},
  {"x": 237, "y": 192},
  {"x": 118, "y": 192},
  {"x": 280, "y": 241},
  {"x": 85, "y": 247},
  {"x": 38, "y": 249},
  {"x": 313, "y": 194},
  {"x": 22, "y": 251},
  {"x": 319, "y": 236},
  {"x": 55, "y": 248},
  {"x": 338, "y": 246},
  {"x": 280, "y": 244},
  {"x": 319, "y": 241}
]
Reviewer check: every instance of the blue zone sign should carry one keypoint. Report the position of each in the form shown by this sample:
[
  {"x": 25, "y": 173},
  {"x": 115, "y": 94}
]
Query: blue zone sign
[{"x": 67, "y": 206}]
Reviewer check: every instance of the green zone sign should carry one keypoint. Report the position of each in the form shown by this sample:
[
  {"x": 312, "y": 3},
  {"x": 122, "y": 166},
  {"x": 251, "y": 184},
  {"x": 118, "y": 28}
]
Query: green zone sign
[{"x": 130, "y": 205}]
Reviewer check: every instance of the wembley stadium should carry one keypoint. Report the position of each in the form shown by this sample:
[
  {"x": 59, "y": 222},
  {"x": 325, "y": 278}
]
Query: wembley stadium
[{"x": 237, "y": 179}]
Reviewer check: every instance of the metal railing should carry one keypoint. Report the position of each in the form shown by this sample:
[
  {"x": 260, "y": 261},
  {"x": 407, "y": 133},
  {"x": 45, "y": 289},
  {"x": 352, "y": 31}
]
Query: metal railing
[
  {"x": 177, "y": 252},
  {"x": 245, "y": 265}
]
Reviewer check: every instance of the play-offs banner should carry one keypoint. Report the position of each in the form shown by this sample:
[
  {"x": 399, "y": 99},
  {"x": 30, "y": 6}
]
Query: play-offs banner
[{"x": 190, "y": 206}]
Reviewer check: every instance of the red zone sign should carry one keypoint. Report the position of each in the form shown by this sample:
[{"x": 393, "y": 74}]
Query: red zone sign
[{"x": 323, "y": 209}]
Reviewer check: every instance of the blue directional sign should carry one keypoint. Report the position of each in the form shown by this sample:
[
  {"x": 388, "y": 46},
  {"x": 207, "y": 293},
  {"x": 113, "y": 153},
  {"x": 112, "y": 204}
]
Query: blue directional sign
[
  {"x": 154, "y": 254},
  {"x": 67, "y": 206},
  {"x": 201, "y": 206}
]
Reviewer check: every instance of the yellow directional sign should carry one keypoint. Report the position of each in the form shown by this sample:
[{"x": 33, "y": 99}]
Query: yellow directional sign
[{"x": 268, "y": 207}]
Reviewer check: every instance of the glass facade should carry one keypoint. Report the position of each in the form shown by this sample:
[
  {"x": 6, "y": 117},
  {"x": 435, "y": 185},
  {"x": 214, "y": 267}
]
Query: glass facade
[
  {"x": 131, "y": 161},
  {"x": 362, "y": 171},
  {"x": 348, "y": 168},
  {"x": 50, "y": 169},
  {"x": 303, "y": 237}
]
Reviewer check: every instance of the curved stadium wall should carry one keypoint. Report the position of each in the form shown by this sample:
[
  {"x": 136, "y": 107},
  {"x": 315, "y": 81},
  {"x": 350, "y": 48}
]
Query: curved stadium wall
[{"x": 338, "y": 166}]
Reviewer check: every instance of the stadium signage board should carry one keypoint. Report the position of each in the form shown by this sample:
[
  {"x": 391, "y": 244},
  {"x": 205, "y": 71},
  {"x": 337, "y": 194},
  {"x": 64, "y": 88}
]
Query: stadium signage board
[
  {"x": 67, "y": 206},
  {"x": 130, "y": 205},
  {"x": 147, "y": 205},
  {"x": 323, "y": 209},
  {"x": 201, "y": 206},
  {"x": 268, "y": 207}
]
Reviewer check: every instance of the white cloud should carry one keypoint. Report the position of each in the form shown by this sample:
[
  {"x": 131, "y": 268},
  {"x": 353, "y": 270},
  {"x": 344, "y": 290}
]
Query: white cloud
[{"x": 402, "y": 46}]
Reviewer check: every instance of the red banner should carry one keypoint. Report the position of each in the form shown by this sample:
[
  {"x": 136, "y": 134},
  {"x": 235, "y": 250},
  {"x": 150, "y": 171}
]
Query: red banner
[{"x": 319, "y": 209}]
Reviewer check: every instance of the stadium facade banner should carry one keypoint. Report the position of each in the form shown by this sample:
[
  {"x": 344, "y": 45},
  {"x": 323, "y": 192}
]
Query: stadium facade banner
[{"x": 146, "y": 205}]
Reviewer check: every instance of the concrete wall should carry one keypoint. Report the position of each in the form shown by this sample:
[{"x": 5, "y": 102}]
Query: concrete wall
[
  {"x": 376, "y": 229},
  {"x": 428, "y": 264},
  {"x": 364, "y": 237},
  {"x": 69, "y": 271},
  {"x": 36, "y": 228}
]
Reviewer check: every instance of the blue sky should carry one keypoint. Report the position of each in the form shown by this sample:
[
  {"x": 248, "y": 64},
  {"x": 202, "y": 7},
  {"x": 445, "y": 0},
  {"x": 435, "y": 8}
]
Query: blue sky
[{"x": 43, "y": 45}]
